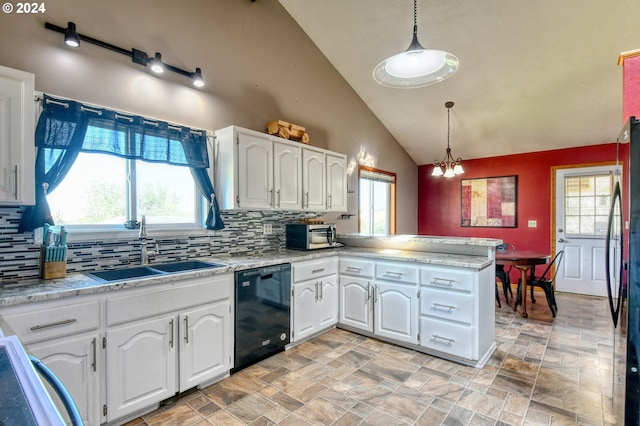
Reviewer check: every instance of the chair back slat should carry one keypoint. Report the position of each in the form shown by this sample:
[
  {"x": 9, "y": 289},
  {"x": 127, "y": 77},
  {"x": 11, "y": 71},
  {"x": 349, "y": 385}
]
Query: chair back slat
[{"x": 557, "y": 260}]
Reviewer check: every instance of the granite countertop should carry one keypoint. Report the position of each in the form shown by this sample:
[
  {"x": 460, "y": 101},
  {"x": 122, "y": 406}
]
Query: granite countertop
[{"x": 75, "y": 284}]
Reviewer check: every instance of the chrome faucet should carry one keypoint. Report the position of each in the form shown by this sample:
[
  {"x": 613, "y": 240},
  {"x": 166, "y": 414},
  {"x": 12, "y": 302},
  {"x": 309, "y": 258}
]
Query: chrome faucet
[{"x": 142, "y": 236}]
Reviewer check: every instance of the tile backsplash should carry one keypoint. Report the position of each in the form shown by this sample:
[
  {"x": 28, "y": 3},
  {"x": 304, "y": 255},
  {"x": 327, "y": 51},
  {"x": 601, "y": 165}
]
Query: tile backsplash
[{"x": 242, "y": 234}]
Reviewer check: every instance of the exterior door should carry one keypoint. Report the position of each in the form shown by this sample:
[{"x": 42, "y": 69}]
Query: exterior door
[{"x": 583, "y": 197}]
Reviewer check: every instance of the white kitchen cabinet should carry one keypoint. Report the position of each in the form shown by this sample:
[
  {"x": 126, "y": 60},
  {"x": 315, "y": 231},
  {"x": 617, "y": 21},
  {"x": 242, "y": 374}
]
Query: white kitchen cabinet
[
  {"x": 141, "y": 365},
  {"x": 457, "y": 315},
  {"x": 314, "y": 179},
  {"x": 314, "y": 301},
  {"x": 254, "y": 170},
  {"x": 64, "y": 335},
  {"x": 396, "y": 312},
  {"x": 17, "y": 150},
  {"x": 336, "y": 182},
  {"x": 166, "y": 339},
  {"x": 380, "y": 297}
]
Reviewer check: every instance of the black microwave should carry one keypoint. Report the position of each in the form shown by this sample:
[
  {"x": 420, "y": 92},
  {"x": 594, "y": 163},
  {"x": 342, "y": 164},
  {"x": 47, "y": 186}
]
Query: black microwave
[{"x": 303, "y": 236}]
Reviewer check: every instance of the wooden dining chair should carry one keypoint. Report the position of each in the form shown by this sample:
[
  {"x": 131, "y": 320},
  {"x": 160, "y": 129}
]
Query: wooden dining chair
[
  {"x": 546, "y": 281},
  {"x": 503, "y": 275}
]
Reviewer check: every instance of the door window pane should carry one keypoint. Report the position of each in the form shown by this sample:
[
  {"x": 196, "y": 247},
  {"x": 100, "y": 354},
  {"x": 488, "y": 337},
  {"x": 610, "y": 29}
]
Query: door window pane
[{"x": 587, "y": 200}]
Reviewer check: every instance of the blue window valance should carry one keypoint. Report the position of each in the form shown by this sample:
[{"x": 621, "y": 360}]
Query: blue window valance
[{"x": 66, "y": 128}]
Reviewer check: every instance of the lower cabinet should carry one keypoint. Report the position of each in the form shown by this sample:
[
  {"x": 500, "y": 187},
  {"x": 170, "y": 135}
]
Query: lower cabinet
[
  {"x": 74, "y": 360},
  {"x": 314, "y": 298},
  {"x": 153, "y": 358},
  {"x": 396, "y": 312},
  {"x": 355, "y": 303}
]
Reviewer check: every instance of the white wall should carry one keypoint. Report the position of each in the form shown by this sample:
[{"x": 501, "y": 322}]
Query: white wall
[{"x": 258, "y": 64}]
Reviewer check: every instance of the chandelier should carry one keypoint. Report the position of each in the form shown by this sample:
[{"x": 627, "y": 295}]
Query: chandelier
[
  {"x": 448, "y": 167},
  {"x": 417, "y": 66}
]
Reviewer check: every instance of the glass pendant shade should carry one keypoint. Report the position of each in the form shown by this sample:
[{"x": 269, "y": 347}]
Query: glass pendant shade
[
  {"x": 457, "y": 169},
  {"x": 416, "y": 66},
  {"x": 449, "y": 172},
  {"x": 437, "y": 170}
]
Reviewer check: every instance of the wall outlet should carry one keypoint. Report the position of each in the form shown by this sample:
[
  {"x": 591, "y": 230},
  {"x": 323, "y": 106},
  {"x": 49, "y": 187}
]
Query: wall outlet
[
  {"x": 267, "y": 228},
  {"x": 533, "y": 224}
]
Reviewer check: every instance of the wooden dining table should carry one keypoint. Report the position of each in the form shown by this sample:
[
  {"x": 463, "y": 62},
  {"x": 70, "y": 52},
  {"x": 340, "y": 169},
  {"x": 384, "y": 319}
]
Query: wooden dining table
[{"x": 523, "y": 261}]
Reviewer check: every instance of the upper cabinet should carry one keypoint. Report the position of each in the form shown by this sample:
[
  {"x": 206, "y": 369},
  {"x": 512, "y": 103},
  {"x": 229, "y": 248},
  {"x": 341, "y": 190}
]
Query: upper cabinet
[
  {"x": 17, "y": 150},
  {"x": 254, "y": 170}
]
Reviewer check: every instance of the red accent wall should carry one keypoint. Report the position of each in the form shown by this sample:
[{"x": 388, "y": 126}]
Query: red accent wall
[
  {"x": 631, "y": 88},
  {"x": 439, "y": 198}
]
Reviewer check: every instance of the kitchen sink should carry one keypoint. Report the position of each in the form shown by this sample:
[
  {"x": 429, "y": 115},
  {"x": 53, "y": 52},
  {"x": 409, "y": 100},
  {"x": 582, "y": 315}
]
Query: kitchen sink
[
  {"x": 187, "y": 265},
  {"x": 123, "y": 274},
  {"x": 151, "y": 270}
]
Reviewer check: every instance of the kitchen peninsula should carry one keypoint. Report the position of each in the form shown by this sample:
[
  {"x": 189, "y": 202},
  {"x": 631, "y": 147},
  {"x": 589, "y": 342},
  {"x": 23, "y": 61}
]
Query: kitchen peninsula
[{"x": 431, "y": 294}]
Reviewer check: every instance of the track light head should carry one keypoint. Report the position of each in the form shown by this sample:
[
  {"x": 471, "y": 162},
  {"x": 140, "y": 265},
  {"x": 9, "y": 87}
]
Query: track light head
[
  {"x": 71, "y": 38},
  {"x": 198, "y": 81},
  {"x": 156, "y": 64}
]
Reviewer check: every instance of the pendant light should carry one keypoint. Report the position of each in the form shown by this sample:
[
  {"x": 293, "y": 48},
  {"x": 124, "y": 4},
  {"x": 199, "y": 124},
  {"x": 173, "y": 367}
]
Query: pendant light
[
  {"x": 451, "y": 167},
  {"x": 417, "y": 66}
]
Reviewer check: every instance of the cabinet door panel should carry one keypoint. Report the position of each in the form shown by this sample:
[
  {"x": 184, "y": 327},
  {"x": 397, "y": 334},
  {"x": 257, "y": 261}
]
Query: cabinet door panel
[
  {"x": 303, "y": 304},
  {"x": 313, "y": 180},
  {"x": 73, "y": 361},
  {"x": 287, "y": 175},
  {"x": 396, "y": 312},
  {"x": 355, "y": 303},
  {"x": 336, "y": 183},
  {"x": 327, "y": 313},
  {"x": 448, "y": 337},
  {"x": 255, "y": 172},
  {"x": 205, "y": 344},
  {"x": 141, "y": 365}
]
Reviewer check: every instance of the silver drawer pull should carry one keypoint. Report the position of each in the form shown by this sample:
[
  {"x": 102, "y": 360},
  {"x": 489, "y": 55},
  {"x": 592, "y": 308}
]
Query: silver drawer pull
[
  {"x": 397, "y": 274},
  {"x": 315, "y": 271},
  {"x": 446, "y": 282},
  {"x": 353, "y": 269},
  {"x": 53, "y": 324},
  {"x": 449, "y": 341},
  {"x": 440, "y": 305}
]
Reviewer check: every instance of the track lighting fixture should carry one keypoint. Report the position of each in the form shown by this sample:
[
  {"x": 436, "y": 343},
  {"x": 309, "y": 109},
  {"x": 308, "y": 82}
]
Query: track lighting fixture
[
  {"x": 155, "y": 64},
  {"x": 71, "y": 36}
]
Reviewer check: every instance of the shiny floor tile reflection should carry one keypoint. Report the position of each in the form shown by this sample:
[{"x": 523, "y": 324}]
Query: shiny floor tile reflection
[{"x": 544, "y": 372}]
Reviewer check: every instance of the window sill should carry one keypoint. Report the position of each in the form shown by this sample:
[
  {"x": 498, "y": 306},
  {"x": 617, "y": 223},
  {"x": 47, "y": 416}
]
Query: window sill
[{"x": 82, "y": 235}]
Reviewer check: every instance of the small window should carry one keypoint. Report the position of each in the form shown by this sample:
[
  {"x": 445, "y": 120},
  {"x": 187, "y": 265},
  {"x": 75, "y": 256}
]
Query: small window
[
  {"x": 377, "y": 191},
  {"x": 587, "y": 201}
]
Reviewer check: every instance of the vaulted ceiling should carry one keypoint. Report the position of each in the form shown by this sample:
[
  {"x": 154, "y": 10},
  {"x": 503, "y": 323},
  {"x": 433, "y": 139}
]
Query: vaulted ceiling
[{"x": 534, "y": 75}]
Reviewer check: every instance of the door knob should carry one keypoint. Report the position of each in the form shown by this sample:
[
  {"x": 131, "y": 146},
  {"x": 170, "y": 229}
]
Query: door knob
[
  {"x": 562, "y": 240},
  {"x": 560, "y": 230}
]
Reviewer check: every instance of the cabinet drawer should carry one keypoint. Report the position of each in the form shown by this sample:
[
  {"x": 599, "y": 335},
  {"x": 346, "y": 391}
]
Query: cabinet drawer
[
  {"x": 310, "y": 269},
  {"x": 357, "y": 267},
  {"x": 156, "y": 300},
  {"x": 47, "y": 321},
  {"x": 447, "y": 337},
  {"x": 400, "y": 272},
  {"x": 448, "y": 278},
  {"x": 448, "y": 305}
]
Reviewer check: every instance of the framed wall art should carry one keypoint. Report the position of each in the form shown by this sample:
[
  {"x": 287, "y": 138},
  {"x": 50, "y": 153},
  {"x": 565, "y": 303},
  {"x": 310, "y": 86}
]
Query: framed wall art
[{"x": 489, "y": 202}]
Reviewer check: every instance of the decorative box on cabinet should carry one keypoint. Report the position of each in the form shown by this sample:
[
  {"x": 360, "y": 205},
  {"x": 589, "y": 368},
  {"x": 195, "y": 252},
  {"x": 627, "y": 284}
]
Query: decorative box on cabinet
[
  {"x": 314, "y": 301},
  {"x": 17, "y": 150}
]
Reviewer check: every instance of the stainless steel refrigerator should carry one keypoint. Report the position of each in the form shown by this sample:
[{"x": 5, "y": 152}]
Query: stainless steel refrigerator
[{"x": 623, "y": 283}]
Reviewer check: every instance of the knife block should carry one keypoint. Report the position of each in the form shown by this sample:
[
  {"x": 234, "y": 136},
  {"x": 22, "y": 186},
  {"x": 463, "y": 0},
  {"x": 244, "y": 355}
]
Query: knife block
[{"x": 52, "y": 269}]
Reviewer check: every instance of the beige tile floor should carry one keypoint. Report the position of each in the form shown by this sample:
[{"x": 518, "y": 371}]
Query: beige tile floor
[{"x": 545, "y": 372}]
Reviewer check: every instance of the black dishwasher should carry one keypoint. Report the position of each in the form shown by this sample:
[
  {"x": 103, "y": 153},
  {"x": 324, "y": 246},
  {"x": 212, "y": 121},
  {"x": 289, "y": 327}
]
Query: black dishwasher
[{"x": 263, "y": 319}]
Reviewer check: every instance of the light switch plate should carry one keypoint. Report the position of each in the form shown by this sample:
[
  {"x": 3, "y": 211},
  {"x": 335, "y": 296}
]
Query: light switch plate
[{"x": 533, "y": 223}]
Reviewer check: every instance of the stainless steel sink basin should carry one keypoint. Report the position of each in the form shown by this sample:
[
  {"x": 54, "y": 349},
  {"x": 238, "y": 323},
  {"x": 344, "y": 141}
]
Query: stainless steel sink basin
[
  {"x": 150, "y": 270},
  {"x": 187, "y": 265},
  {"x": 123, "y": 274}
]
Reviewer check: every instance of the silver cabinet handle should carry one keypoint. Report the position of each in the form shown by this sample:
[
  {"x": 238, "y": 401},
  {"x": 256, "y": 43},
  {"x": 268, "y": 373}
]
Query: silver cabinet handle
[
  {"x": 449, "y": 342},
  {"x": 329, "y": 199},
  {"x": 278, "y": 198},
  {"x": 439, "y": 305},
  {"x": 53, "y": 324},
  {"x": 353, "y": 269},
  {"x": 445, "y": 282},
  {"x": 397, "y": 274},
  {"x": 186, "y": 329},
  {"x": 375, "y": 293},
  {"x": 95, "y": 361},
  {"x": 271, "y": 197},
  {"x": 316, "y": 291},
  {"x": 321, "y": 290},
  {"x": 368, "y": 293},
  {"x": 316, "y": 271},
  {"x": 171, "y": 333},
  {"x": 17, "y": 192},
  {"x": 306, "y": 194}
]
